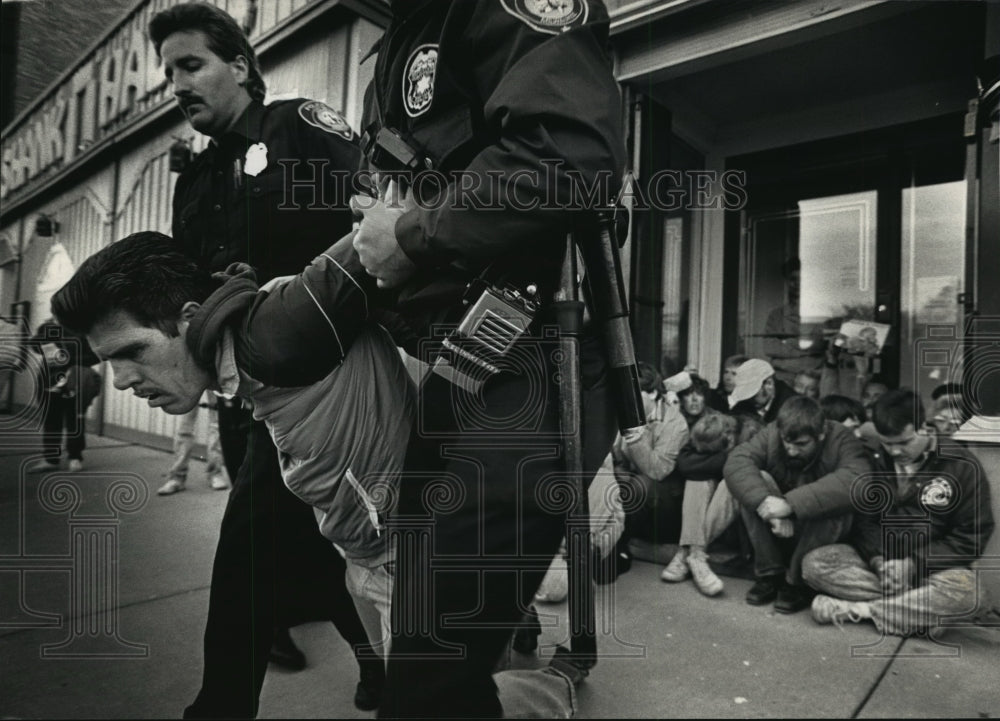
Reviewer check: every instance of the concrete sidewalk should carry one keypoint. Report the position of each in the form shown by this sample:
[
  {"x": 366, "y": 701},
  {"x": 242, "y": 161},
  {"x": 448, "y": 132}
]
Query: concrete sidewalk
[{"x": 666, "y": 651}]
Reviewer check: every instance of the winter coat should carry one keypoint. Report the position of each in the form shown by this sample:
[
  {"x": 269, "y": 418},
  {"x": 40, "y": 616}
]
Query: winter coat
[{"x": 821, "y": 489}]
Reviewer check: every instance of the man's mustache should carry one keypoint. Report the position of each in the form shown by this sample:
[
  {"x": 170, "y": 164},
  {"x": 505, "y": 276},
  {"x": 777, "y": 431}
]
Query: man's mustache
[{"x": 186, "y": 101}]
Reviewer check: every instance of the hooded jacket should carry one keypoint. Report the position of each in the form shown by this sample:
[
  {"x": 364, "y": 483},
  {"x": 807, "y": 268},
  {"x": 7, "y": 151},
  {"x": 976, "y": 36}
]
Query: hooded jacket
[{"x": 341, "y": 440}]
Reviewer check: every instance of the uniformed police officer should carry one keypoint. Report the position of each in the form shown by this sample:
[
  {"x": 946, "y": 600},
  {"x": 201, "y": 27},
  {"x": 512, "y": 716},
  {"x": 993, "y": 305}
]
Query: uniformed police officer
[
  {"x": 266, "y": 191},
  {"x": 513, "y": 102}
]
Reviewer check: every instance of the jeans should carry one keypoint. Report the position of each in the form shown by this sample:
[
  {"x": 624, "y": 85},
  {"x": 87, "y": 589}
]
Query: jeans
[
  {"x": 371, "y": 589},
  {"x": 773, "y": 556},
  {"x": 837, "y": 570},
  {"x": 523, "y": 694},
  {"x": 272, "y": 569}
]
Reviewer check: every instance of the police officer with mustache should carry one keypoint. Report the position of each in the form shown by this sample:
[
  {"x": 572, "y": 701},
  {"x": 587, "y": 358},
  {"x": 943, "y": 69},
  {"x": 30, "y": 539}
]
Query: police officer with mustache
[{"x": 269, "y": 190}]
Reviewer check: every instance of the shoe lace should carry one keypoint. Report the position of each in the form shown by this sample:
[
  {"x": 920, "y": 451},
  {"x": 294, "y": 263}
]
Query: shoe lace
[{"x": 848, "y": 615}]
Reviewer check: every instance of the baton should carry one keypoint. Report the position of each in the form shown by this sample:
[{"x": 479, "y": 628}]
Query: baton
[{"x": 569, "y": 311}]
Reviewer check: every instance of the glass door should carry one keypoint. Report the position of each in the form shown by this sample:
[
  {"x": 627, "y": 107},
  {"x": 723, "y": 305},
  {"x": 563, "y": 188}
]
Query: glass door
[
  {"x": 931, "y": 279},
  {"x": 807, "y": 272}
]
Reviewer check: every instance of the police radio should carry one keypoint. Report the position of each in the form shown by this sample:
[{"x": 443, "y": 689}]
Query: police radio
[{"x": 497, "y": 317}]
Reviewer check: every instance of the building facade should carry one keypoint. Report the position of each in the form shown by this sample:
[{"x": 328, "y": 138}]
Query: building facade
[{"x": 794, "y": 166}]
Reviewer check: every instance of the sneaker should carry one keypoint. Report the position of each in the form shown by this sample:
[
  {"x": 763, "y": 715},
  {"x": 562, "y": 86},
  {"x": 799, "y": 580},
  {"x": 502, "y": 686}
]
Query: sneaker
[
  {"x": 826, "y": 609},
  {"x": 170, "y": 487},
  {"x": 704, "y": 578},
  {"x": 764, "y": 590},
  {"x": 75, "y": 465},
  {"x": 41, "y": 466},
  {"x": 219, "y": 482},
  {"x": 677, "y": 570},
  {"x": 792, "y": 599},
  {"x": 285, "y": 653},
  {"x": 368, "y": 693}
]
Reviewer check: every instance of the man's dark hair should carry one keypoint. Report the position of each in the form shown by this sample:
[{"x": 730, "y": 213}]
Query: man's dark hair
[
  {"x": 800, "y": 416},
  {"x": 897, "y": 409},
  {"x": 947, "y": 389},
  {"x": 698, "y": 385},
  {"x": 735, "y": 361},
  {"x": 877, "y": 380},
  {"x": 144, "y": 275},
  {"x": 225, "y": 38},
  {"x": 649, "y": 378},
  {"x": 840, "y": 408}
]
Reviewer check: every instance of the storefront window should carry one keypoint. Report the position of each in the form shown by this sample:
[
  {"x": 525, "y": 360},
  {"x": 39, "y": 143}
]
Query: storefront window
[
  {"x": 807, "y": 272},
  {"x": 932, "y": 272}
]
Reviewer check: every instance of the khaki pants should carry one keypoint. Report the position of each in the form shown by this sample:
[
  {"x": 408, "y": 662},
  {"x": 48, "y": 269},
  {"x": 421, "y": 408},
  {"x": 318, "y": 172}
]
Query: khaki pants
[{"x": 837, "y": 570}]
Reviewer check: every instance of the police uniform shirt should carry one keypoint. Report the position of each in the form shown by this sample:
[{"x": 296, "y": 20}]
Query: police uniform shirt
[
  {"x": 495, "y": 88},
  {"x": 272, "y": 192}
]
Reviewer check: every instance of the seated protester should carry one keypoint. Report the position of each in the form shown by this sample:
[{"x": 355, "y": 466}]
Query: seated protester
[
  {"x": 728, "y": 381},
  {"x": 747, "y": 427},
  {"x": 874, "y": 389},
  {"x": 758, "y": 391},
  {"x": 706, "y": 512},
  {"x": 845, "y": 411},
  {"x": 645, "y": 463},
  {"x": 947, "y": 413},
  {"x": 905, "y": 588},
  {"x": 806, "y": 383},
  {"x": 171, "y": 331},
  {"x": 693, "y": 396},
  {"x": 793, "y": 482}
]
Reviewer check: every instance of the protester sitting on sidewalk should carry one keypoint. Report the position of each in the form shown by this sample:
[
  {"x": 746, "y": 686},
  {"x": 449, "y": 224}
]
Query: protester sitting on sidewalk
[
  {"x": 644, "y": 465},
  {"x": 845, "y": 411},
  {"x": 695, "y": 399},
  {"x": 793, "y": 482},
  {"x": 708, "y": 508},
  {"x": 874, "y": 389},
  {"x": 806, "y": 383},
  {"x": 728, "y": 380},
  {"x": 171, "y": 331},
  {"x": 68, "y": 385},
  {"x": 184, "y": 446},
  {"x": 947, "y": 411},
  {"x": 906, "y": 586},
  {"x": 758, "y": 391}
]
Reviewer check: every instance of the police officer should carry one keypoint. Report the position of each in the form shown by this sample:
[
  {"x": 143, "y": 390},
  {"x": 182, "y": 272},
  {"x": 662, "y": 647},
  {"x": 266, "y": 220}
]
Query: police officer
[
  {"x": 269, "y": 190},
  {"x": 513, "y": 104}
]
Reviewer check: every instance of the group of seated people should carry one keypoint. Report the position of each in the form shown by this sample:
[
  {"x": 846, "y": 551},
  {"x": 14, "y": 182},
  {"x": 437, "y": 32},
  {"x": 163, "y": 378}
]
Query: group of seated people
[{"x": 806, "y": 484}]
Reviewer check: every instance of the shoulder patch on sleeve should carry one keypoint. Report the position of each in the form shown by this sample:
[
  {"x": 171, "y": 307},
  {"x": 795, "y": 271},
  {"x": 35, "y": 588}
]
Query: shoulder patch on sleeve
[
  {"x": 322, "y": 116},
  {"x": 548, "y": 16}
]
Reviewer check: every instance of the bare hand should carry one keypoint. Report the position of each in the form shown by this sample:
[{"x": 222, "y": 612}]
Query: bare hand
[
  {"x": 774, "y": 507},
  {"x": 375, "y": 241},
  {"x": 782, "y": 527},
  {"x": 897, "y": 576}
]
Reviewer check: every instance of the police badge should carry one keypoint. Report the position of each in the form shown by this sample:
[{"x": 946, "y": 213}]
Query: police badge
[
  {"x": 548, "y": 16},
  {"x": 418, "y": 80},
  {"x": 255, "y": 160},
  {"x": 937, "y": 494}
]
